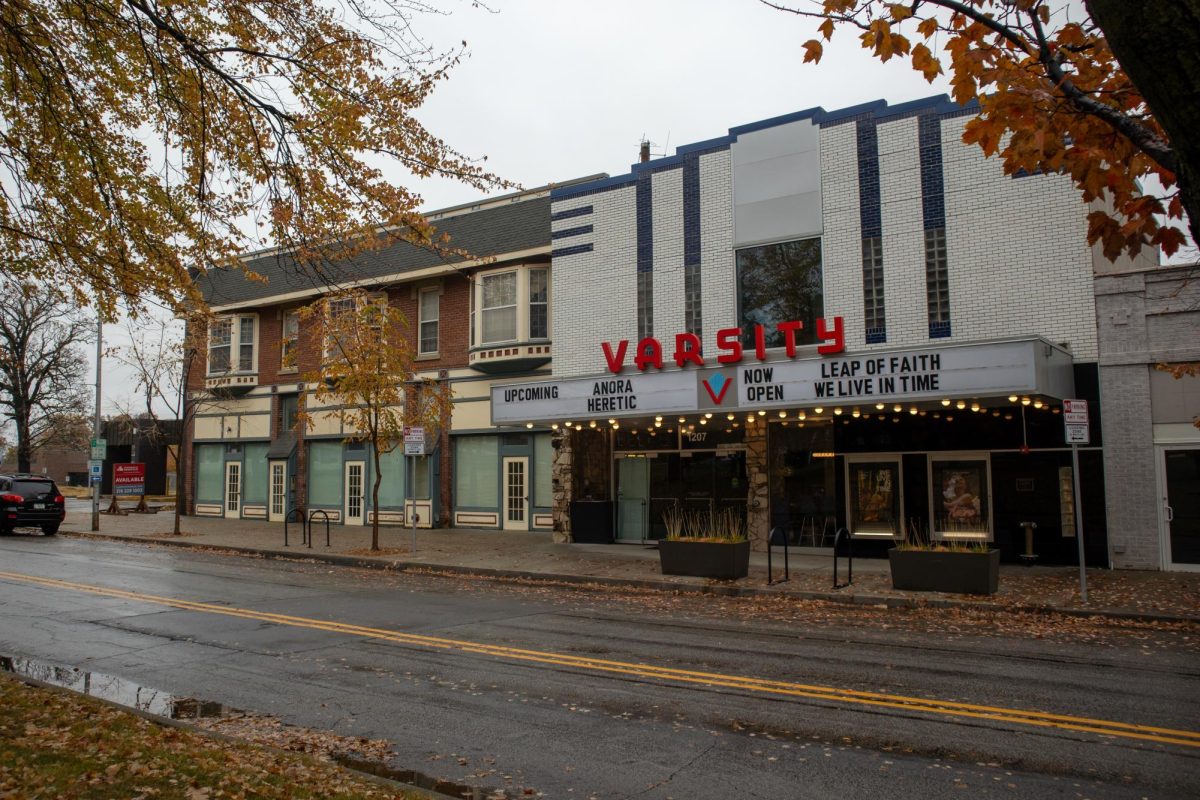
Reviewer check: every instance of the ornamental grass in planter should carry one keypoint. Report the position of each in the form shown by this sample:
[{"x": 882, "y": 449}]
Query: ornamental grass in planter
[
  {"x": 705, "y": 545},
  {"x": 922, "y": 565}
]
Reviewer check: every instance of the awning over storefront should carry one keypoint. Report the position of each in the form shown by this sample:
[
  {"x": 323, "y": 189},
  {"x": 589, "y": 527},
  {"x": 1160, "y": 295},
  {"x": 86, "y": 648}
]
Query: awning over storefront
[{"x": 1027, "y": 367}]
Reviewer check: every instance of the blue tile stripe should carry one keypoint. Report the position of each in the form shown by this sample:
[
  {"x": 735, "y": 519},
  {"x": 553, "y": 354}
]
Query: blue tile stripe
[
  {"x": 939, "y": 106},
  {"x": 869, "y": 208},
  {"x": 645, "y": 223},
  {"x": 691, "y": 209},
  {"x": 571, "y": 212},
  {"x": 933, "y": 196},
  {"x": 565, "y": 232},
  {"x": 570, "y": 251}
]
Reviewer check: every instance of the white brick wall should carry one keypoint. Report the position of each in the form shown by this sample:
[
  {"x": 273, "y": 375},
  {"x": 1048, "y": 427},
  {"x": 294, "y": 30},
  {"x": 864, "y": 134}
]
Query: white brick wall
[
  {"x": 667, "y": 207},
  {"x": 595, "y": 294},
  {"x": 841, "y": 246},
  {"x": 905, "y": 309},
  {"x": 1017, "y": 250},
  {"x": 718, "y": 280}
]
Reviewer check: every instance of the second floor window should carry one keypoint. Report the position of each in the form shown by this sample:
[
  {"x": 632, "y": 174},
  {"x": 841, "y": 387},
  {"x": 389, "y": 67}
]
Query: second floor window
[
  {"x": 499, "y": 308},
  {"x": 231, "y": 345},
  {"x": 539, "y": 320},
  {"x": 428, "y": 313},
  {"x": 289, "y": 341}
]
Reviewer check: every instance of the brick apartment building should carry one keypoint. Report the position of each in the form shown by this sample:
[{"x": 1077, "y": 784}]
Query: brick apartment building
[{"x": 476, "y": 322}]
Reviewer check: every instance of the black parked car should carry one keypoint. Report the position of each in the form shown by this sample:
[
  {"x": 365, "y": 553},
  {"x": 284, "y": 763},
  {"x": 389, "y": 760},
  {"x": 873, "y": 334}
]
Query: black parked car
[{"x": 30, "y": 501}]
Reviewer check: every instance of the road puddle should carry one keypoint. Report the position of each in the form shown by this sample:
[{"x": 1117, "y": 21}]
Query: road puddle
[{"x": 115, "y": 690}]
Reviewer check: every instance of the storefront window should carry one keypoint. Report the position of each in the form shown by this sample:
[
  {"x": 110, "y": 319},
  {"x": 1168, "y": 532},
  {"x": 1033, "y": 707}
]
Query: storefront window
[
  {"x": 778, "y": 283},
  {"x": 210, "y": 473},
  {"x": 960, "y": 498},
  {"x": 543, "y": 463},
  {"x": 803, "y": 483},
  {"x": 325, "y": 473},
  {"x": 873, "y": 488},
  {"x": 254, "y": 473},
  {"x": 391, "y": 488},
  {"x": 477, "y": 472}
]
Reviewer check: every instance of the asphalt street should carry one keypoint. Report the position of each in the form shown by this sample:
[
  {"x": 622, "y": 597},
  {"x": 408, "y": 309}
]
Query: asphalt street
[{"x": 583, "y": 694}]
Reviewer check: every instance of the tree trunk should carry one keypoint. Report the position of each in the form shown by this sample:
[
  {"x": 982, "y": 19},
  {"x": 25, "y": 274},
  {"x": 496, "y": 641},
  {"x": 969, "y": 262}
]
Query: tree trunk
[
  {"x": 1158, "y": 45},
  {"x": 375, "y": 500},
  {"x": 24, "y": 446}
]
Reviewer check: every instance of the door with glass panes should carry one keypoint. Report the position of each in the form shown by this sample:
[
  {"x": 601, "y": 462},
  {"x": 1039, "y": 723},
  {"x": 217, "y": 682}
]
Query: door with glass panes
[
  {"x": 1180, "y": 481},
  {"x": 516, "y": 494},
  {"x": 277, "y": 491},
  {"x": 633, "y": 498},
  {"x": 354, "y": 492}
]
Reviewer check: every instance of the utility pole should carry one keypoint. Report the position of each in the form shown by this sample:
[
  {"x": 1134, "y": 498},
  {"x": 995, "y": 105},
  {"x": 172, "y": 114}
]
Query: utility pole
[{"x": 96, "y": 422}]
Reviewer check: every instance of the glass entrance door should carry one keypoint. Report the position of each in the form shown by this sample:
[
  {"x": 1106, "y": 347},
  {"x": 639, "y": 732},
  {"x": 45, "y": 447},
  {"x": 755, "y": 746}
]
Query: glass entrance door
[
  {"x": 516, "y": 494},
  {"x": 1181, "y": 507},
  {"x": 633, "y": 495}
]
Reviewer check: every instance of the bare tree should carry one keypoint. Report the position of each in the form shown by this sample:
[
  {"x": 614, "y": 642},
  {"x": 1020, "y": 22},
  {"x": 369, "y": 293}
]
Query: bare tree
[
  {"x": 42, "y": 371},
  {"x": 160, "y": 354}
]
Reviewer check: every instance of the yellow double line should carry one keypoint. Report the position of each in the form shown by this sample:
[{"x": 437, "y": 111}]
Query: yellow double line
[{"x": 1037, "y": 719}]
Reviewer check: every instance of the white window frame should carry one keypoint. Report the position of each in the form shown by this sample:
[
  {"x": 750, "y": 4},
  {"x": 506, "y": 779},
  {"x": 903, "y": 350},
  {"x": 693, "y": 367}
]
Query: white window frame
[
  {"x": 422, "y": 320},
  {"x": 529, "y": 302},
  {"x": 515, "y": 306},
  {"x": 237, "y": 340},
  {"x": 522, "y": 305},
  {"x": 327, "y": 348},
  {"x": 287, "y": 342}
]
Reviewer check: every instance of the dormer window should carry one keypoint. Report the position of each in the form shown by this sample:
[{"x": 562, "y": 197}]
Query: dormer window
[{"x": 232, "y": 345}]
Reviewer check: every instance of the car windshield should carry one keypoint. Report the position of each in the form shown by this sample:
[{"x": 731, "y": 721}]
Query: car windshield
[{"x": 32, "y": 489}]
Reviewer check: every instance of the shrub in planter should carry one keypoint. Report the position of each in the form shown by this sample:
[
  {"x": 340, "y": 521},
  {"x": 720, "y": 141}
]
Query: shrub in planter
[
  {"x": 945, "y": 568},
  {"x": 705, "y": 545}
]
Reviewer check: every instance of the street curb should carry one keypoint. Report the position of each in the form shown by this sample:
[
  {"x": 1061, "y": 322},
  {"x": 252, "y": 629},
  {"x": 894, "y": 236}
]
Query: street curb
[{"x": 718, "y": 590}]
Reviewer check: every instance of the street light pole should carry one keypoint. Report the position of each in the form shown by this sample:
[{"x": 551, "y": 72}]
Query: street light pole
[{"x": 96, "y": 423}]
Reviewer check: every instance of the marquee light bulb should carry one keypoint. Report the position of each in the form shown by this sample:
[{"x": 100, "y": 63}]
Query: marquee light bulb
[
  {"x": 616, "y": 425},
  {"x": 703, "y": 420},
  {"x": 657, "y": 424},
  {"x": 975, "y": 406},
  {"x": 783, "y": 415},
  {"x": 897, "y": 408},
  {"x": 1037, "y": 403},
  {"x": 592, "y": 423},
  {"x": 578, "y": 427},
  {"x": 612, "y": 422},
  {"x": 1012, "y": 398},
  {"x": 818, "y": 410},
  {"x": 960, "y": 405},
  {"x": 553, "y": 426},
  {"x": 803, "y": 416},
  {"x": 879, "y": 406},
  {"x": 729, "y": 416},
  {"x": 681, "y": 419},
  {"x": 913, "y": 411},
  {"x": 658, "y": 419},
  {"x": 856, "y": 413},
  {"x": 1025, "y": 401},
  {"x": 529, "y": 425},
  {"x": 837, "y": 412},
  {"x": 945, "y": 401},
  {"x": 762, "y": 413},
  {"x": 708, "y": 415}
]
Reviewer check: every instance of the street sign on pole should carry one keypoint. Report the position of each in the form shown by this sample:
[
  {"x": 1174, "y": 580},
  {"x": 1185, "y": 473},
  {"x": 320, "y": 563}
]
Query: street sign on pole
[
  {"x": 1075, "y": 418},
  {"x": 95, "y": 470},
  {"x": 414, "y": 440},
  {"x": 99, "y": 449}
]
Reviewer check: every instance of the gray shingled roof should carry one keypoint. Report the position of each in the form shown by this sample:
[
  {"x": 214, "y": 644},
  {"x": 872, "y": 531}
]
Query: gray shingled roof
[{"x": 493, "y": 231}]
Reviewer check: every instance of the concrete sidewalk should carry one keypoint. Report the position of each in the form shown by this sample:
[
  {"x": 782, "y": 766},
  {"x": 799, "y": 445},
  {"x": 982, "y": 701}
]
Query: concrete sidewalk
[{"x": 1162, "y": 596}]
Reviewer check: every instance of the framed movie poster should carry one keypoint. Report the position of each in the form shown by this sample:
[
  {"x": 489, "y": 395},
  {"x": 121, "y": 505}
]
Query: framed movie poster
[
  {"x": 874, "y": 497},
  {"x": 961, "y": 497}
]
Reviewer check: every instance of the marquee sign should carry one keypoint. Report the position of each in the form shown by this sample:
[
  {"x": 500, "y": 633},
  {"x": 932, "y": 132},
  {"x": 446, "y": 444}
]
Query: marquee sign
[
  {"x": 649, "y": 352},
  {"x": 1029, "y": 366}
]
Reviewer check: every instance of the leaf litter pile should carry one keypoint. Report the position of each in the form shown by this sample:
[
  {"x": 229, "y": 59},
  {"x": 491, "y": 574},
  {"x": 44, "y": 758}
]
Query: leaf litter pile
[{"x": 54, "y": 744}]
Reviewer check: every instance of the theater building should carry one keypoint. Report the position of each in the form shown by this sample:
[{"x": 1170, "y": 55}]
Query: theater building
[{"x": 827, "y": 319}]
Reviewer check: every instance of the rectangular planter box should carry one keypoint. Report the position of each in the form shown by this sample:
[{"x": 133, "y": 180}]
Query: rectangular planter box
[
  {"x": 931, "y": 571},
  {"x": 723, "y": 560}
]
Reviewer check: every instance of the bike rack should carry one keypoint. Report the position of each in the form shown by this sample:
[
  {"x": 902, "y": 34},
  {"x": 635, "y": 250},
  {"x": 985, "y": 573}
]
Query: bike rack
[
  {"x": 837, "y": 539},
  {"x": 287, "y": 518},
  {"x": 313, "y": 516},
  {"x": 777, "y": 536}
]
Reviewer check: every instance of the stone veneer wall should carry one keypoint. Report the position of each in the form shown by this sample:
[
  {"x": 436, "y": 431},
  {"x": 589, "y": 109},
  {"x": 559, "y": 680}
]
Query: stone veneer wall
[
  {"x": 758, "y": 519},
  {"x": 582, "y": 468}
]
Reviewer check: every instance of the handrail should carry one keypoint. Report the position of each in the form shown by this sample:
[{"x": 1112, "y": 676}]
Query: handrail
[
  {"x": 287, "y": 518},
  {"x": 837, "y": 539},
  {"x": 780, "y": 534},
  {"x": 313, "y": 516}
]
